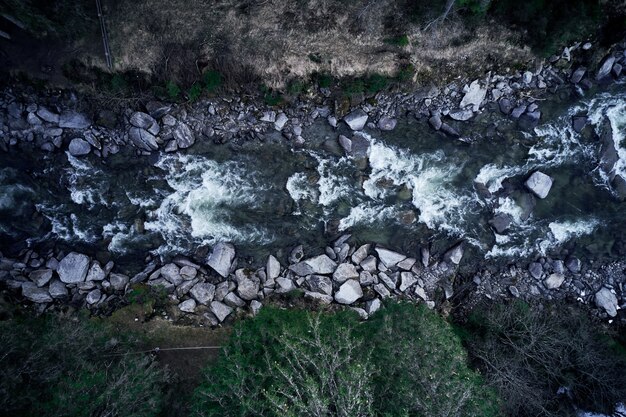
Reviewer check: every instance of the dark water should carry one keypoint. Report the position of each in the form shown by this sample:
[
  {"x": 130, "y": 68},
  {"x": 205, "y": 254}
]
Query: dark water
[{"x": 415, "y": 187}]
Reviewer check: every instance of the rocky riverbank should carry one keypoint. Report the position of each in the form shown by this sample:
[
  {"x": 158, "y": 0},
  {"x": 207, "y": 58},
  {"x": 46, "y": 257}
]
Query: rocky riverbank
[{"x": 213, "y": 289}]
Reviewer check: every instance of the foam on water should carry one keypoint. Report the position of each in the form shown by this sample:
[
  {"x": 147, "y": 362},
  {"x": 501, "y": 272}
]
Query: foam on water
[
  {"x": 85, "y": 183},
  {"x": 613, "y": 109},
  {"x": 331, "y": 185},
  {"x": 366, "y": 213},
  {"x": 563, "y": 231}
]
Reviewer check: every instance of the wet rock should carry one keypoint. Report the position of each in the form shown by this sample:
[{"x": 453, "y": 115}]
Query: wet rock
[
  {"x": 220, "y": 310},
  {"x": 344, "y": 272},
  {"x": 73, "y": 268},
  {"x": 144, "y": 121},
  {"x": 48, "y": 116},
  {"x": 449, "y": 130},
  {"x": 529, "y": 120},
  {"x": 280, "y": 121},
  {"x": 118, "y": 281},
  {"x": 461, "y": 115},
  {"x": 321, "y": 264},
  {"x": 387, "y": 123},
  {"x": 579, "y": 122},
  {"x": 296, "y": 254},
  {"x": 171, "y": 272},
  {"x": 272, "y": 268},
  {"x": 41, "y": 277},
  {"x": 539, "y": 184},
  {"x": 320, "y": 284},
  {"x": 345, "y": 143},
  {"x": 474, "y": 96},
  {"x": 183, "y": 136},
  {"x": 535, "y": 269},
  {"x": 143, "y": 139},
  {"x": 203, "y": 292},
  {"x": 187, "y": 306},
  {"x": 221, "y": 258},
  {"x": 94, "y": 296},
  {"x": 79, "y": 147},
  {"x": 606, "y": 300},
  {"x": 57, "y": 289},
  {"x": 554, "y": 281},
  {"x": 454, "y": 254},
  {"x": 356, "y": 120},
  {"x": 406, "y": 280},
  {"x": 247, "y": 284},
  {"x": 578, "y": 75},
  {"x": 349, "y": 292},
  {"x": 435, "y": 122},
  {"x": 73, "y": 120},
  {"x": 573, "y": 264},
  {"x": 501, "y": 222},
  {"x": 32, "y": 292},
  {"x": 605, "y": 68},
  {"x": 388, "y": 257}
]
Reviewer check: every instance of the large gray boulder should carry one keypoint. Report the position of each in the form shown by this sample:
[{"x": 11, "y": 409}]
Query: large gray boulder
[
  {"x": 606, "y": 300},
  {"x": 344, "y": 272},
  {"x": 349, "y": 292},
  {"x": 321, "y": 264},
  {"x": 221, "y": 258},
  {"x": 356, "y": 120},
  {"x": 143, "y": 139},
  {"x": 31, "y": 291},
  {"x": 387, "y": 123},
  {"x": 203, "y": 292},
  {"x": 79, "y": 147},
  {"x": 73, "y": 120},
  {"x": 554, "y": 281},
  {"x": 247, "y": 284},
  {"x": 474, "y": 96},
  {"x": 73, "y": 268},
  {"x": 605, "y": 68},
  {"x": 389, "y": 257},
  {"x": 272, "y": 268},
  {"x": 539, "y": 184},
  {"x": 454, "y": 254},
  {"x": 183, "y": 135},
  {"x": 220, "y": 310},
  {"x": 320, "y": 284},
  {"x": 144, "y": 121}
]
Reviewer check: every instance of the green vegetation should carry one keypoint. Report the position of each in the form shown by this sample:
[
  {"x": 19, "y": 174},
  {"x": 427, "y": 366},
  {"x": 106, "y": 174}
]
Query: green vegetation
[
  {"x": 172, "y": 90},
  {"x": 400, "y": 41},
  {"x": 406, "y": 361},
  {"x": 212, "y": 80}
]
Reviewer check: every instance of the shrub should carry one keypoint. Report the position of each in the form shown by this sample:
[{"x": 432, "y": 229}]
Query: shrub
[
  {"x": 529, "y": 354},
  {"x": 400, "y": 41},
  {"x": 376, "y": 83},
  {"x": 212, "y": 80},
  {"x": 172, "y": 90},
  {"x": 194, "y": 92},
  {"x": 324, "y": 80}
]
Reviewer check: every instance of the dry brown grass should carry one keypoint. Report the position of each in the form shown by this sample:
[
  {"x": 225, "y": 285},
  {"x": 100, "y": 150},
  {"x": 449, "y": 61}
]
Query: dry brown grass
[{"x": 271, "y": 40}]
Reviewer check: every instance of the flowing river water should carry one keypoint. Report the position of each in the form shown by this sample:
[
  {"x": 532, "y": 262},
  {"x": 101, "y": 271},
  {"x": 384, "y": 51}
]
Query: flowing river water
[{"x": 413, "y": 187}]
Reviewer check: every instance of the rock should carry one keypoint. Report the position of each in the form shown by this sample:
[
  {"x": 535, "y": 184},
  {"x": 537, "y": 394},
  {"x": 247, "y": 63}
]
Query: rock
[
  {"x": 356, "y": 120},
  {"x": 518, "y": 111},
  {"x": 185, "y": 287},
  {"x": 406, "y": 280},
  {"x": 32, "y": 292},
  {"x": 558, "y": 266},
  {"x": 41, "y": 277},
  {"x": 247, "y": 284},
  {"x": 425, "y": 255},
  {"x": 79, "y": 147},
  {"x": 118, "y": 281},
  {"x": 382, "y": 290},
  {"x": 33, "y": 120},
  {"x": 301, "y": 269},
  {"x": 461, "y": 114},
  {"x": 606, "y": 300},
  {"x": 527, "y": 77},
  {"x": 48, "y": 116},
  {"x": 505, "y": 105},
  {"x": 268, "y": 116},
  {"x": 435, "y": 122},
  {"x": 449, "y": 130},
  {"x": 73, "y": 120},
  {"x": 373, "y": 306},
  {"x": 388, "y": 257},
  {"x": 255, "y": 307},
  {"x": 605, "y": 68},
  {"x": 579, "y": 122},
  {"x": 296, "y": 254},
  {"x": 406, "y": 264},
  {"x": 345, "y": 143},
  {"x": 57, "y": 289},
  {"x": 386, "y": 279},
  {"x": 96, "y": 273},
  {"x": 514, "y": 291},
  {"x": 617, "y": 69},
  {"x": 361, "y": 312},
  {"x": 73, "y": 268},
  {"x": 474, "y": 96},
  {"x": 320, "y": 284},
  {"x": 529, "y": 120},
  {"x": 344, "y": 272},
  {"x": 349, "y": 292},
  {"x": 578, "y": 75},
  {"x": 387, "y": 123},
  {"x": 234, "y": 300},
  {"x": 360, "y": 254},
  {"x": 539, "y": 184},
  {"x": 369, "y": 264},
  {"x": 321, "y": 264},
  {"x": 554, "y": 281},
  {"x": 171, "y": 272},
  {"x": 188, "y": 272},
  {"x": 573, "y": 264},
  {"x": 272, "y": 268},
  {"x": 320, "y": 298},
  {"x": 535, "y": 269},
  {"x": 501, "y": 222},
  {"x": 419, "y": 291},
  {"x": 187, "y": 306},
  {"x": 144, "y": 121},
  {"x": 183, "y": 136},
  {"x": 285, "y": 285},
  {"x": 157, "y": 109},
  {"x": 454, "y": 254},
  {"x": 366, "y": 278},
  {"x": 143, "y": 139},
  {"x": 203, "y": 292},
  {"x": 220, "y": 310},
  {"x": 281, "y": 121},
  {"x": 94, "y": 296},
  {"x": 221, "y": 258}
]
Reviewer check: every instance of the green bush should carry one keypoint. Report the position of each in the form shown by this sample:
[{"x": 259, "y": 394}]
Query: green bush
[
  {"x": 296, "y": 87},
  {"x": 400, "y": 41},
  {"x": 194, "y": 92},
  {"x": 172, "y": 90},
  {"x": 212, "y": 80},
  {"x": 324, "y": 80},
  {"x": 405, "y": 362},
  {"x": 376, "y": 83}
]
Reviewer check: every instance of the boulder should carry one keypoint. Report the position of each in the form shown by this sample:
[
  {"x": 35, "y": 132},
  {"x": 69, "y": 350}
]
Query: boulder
[
  {"x": 183, "y": 136},
  {"x": 387, "y": 123},
  {"x": 474, "y": 96},
  {"x": 454, "y": 254},
  {"x": 79, "y": 147},
  {"x": 221, "y": 258},
  {"x": 366, "y": 278},
  {"x": 321, "y": 264},
  {"x": 94, "y": 296},
  {"x": 406, "y": 280},
  {"x": 188, "y": 272},
  {"x": 579, "y": 122},
  {"x": 187, "y": 306},
  {"x": 349, "y": 292},
  {"x": 171, "y": 272},
  {"x": 143, "y": 139},
  {"x": 203, "y": 292},
  {"x": 344, "y": 272},
  {"x": 361, "y": 253},
  {"x": 301, "y": 269},
  {"x": 505, "y": 105},
  {"x": 247, "y": 284},
  {"x": 461, "y": 114},
  {"x": 369, "y": 264},
  {"x": 41, "y": 277},
  {"x": 501, "y": 222},
  {"x": 281, "y": 121},
  {"x": 32, "y": 292},
  {"x": 320, "y": 284},
  {"x": 57, "y": 289},
  {"x": 272, "y": 268},
  {"x": 356, "y": 120},
  {"x": 345, "y": 143},
  {"x": 96, "y": 273},
  {"x": 578, "y": 75},
  {"x": 554, "y": 281},
  {"x": 535, "y": 269},
  {"x": 318, "y": 297},
  {"x": 234, "y": 300},
  {"x": 407, "y": 264},
  {"x": 118, "y": 281},
  {"x": 388, "y": 257},
  {"x": 73, "y": 268},
  {"x": 73, "y": 120},
  {"x": 144, "y": 121},
  {"x": 255, "y": 307},
  {"x": 605, "y": 68},
  {"x": 284, "y": 285},
  {"x": 48, "y": 116},
  {"x": 573, "y": 264},
  {"x": 296, "y": 254},
  {"x": 518, "y": 111},
  {"x": 606, "y": 300},
  {"x": 449, "y": 130},
  {"x": 373, "y": 306},
  {"x": 539, "y": 184},
  {"x": 220, "y": 310},
  {"x": 435, "y": 122}
]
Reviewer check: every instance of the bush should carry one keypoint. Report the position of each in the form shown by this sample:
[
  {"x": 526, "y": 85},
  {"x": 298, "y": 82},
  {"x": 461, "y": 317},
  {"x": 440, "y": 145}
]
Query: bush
[
  {"x": 212, "y": 80},
  {"x": 405, "y": 362},
  {"x": 55, "y": 366},
  {"x": 529, "y": 354},
  {"x": 172, "y": 90},
  {"x": 194, "y": 92},
  {"x": 400, "y": 41}
]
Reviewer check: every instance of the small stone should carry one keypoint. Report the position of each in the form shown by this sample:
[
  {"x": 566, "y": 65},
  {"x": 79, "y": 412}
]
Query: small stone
[
  {"x": 554, "y": 281},
  {"x": 373, "y": 306},
  {"x": 255, "y": 307},
  {"x": 573, "y": 264},
  {"x": 514, "y": 291},
  {"x": 188, "y": 272},
  {"x": 369, "y": 264},
  {"x": 406, "y": 264},
  {"x": 96, "y": 273},
  {"x": 118, "y": 281},
  {"x": 387, "y": 123},
  {"x": 94, "y": 296},
  {"x": 281, "y": 121},
  {"x": 535, "y": 269},
  {"x": 79, "y": 147}
]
